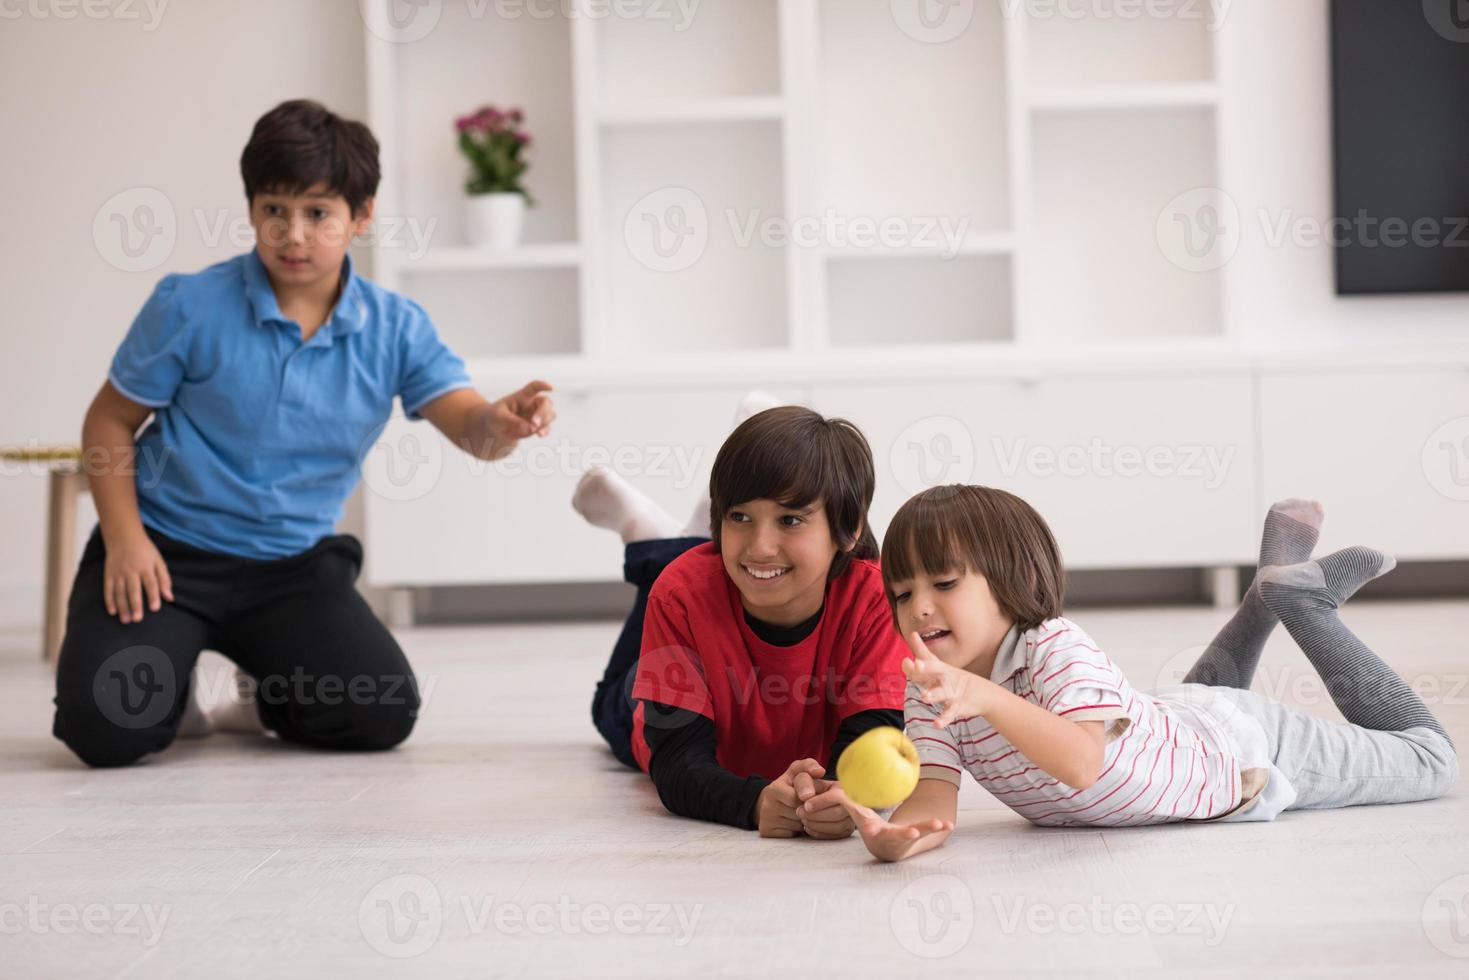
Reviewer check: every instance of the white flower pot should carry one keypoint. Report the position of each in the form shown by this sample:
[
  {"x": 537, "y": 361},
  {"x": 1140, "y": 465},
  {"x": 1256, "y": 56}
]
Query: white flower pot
[{"x": 494, "y": 221}]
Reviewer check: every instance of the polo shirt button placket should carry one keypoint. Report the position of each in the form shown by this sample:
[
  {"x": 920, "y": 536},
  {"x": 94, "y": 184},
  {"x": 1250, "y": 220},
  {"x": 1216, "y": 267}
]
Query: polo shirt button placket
[{"x": 297, "y": 368}]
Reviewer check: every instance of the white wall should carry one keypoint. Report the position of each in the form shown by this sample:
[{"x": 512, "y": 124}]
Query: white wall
[{"x": 91, "y": 108}]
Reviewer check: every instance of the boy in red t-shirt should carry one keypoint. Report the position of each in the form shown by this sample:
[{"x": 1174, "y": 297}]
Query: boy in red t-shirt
[{"x": 751, "y": 661}]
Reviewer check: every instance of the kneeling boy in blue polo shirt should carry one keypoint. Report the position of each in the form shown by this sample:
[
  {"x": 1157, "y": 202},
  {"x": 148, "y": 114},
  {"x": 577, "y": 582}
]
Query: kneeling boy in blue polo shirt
[{"x": 268, "y": 377}]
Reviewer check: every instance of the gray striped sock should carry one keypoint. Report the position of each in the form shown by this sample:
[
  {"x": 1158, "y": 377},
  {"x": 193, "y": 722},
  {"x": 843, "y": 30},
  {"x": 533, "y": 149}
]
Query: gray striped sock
[
  {"x": 1230, "y": 659},
  {"x": 1306, "y": 597}
]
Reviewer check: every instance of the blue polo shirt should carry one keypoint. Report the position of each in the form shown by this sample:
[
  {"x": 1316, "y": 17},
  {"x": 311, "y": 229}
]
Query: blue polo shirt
[{"x": 258, "y": 439}]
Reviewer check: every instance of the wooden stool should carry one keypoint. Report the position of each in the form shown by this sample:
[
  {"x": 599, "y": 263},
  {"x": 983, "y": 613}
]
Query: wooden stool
[{"x": 67, "y": 484}]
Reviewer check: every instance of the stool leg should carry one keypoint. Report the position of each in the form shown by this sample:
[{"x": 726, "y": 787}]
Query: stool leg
[{"x": 61, "y": 540}]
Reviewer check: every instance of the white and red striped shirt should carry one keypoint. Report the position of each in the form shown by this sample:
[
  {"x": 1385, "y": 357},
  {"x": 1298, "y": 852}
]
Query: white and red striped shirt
[{"x": 1163, "y": 762}]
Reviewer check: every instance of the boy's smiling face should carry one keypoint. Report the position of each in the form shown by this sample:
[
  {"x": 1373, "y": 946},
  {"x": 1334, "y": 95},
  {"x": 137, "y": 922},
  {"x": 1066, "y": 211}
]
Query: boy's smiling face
[
  {"x": 303, "y": 236},
  {"x": 779, "y": 558},
  {"x": 956, "y": 615}
]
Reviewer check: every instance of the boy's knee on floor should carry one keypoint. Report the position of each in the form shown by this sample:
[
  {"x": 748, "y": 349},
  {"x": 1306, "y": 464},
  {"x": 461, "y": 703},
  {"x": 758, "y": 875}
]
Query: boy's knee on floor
[
  {"x": 99, "y": 742},
  {"x": 374, "y": 723},
  {"x": 387, "y": 726}
]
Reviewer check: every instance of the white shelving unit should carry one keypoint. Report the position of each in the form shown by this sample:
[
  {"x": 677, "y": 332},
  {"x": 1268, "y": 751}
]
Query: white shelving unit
[{"x": 1046, "y": 146}]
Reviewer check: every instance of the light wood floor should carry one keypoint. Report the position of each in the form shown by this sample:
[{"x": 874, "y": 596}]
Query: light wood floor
[{"x": 502, "y": 840}]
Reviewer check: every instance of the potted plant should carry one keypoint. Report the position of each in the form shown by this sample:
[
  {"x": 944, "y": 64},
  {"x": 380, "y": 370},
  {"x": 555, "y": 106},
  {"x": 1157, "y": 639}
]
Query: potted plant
[{"x": 494, "y": 143}]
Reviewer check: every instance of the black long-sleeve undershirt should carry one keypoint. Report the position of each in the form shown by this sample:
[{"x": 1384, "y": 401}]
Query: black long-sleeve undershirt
[{"x": 690, "y": 781}]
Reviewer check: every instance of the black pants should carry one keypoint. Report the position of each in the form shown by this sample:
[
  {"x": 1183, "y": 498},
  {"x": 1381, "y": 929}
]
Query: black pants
[
  {"x": 330, "y": 674},
  {"x": 612, "y": 705}
]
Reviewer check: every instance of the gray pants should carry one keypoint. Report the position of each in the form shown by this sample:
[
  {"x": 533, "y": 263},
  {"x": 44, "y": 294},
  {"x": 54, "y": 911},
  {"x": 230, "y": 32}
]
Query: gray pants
[{"x": 1334, "y": 764}]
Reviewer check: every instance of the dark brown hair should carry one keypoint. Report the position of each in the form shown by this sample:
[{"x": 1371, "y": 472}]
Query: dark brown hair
[
  {"x": 984, "y": 530},
  {"x": 796, "y": 457},
  {"x": 302, "y": 143}
]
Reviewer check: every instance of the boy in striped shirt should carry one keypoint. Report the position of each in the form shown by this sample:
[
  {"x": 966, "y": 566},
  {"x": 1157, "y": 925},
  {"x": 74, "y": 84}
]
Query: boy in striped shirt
[{"x": 1004, "y": 687}]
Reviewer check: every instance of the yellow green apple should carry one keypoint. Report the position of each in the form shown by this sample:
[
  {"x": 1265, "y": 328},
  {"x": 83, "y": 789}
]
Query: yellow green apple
[{"x": 879, "y": 769}]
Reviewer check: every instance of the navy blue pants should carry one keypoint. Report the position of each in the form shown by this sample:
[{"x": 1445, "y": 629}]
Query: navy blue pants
[{"x": 612, "y": 706}]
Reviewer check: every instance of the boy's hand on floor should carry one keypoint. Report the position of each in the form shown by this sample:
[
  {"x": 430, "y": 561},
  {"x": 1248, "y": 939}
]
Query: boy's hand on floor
[
  {"x": 823, "y": 814},
  {"x": 889, "y": 841},
  {"x": 134, "y": 569},
  {"x": 775, "y": 810}
]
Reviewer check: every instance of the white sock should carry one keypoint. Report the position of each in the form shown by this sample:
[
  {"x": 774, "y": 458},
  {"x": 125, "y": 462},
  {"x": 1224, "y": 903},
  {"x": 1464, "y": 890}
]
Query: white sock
[
  {"x": 195, "y": 723},
  {"x": 751, "y": 405},
  {"x": 698, "y": 525},
  {"x": 236, "y": 711},
  {"x": 607, "y": 500}
]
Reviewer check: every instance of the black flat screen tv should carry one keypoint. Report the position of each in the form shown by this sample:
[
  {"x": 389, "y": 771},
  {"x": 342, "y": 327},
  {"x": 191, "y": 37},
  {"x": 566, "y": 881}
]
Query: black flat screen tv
[{"x": 1400, "y": 115}]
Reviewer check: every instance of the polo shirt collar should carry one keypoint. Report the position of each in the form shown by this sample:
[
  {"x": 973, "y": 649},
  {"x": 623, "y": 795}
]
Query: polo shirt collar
[
  {"x": 349, "y": 315},
  {"x": 1010, "y": 658}
]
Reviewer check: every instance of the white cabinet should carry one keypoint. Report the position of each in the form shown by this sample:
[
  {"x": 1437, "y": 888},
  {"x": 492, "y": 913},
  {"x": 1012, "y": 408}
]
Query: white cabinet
[
  {"x": 1129, "y": 472},
  {"x": 1387, "y": 452}
]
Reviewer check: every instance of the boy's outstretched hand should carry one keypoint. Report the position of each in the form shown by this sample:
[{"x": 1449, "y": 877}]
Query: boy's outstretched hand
[
  {"x": 519, "y": 415},
  {"x": 889, "y": 841},
  {"x": 962, "y": 694}
]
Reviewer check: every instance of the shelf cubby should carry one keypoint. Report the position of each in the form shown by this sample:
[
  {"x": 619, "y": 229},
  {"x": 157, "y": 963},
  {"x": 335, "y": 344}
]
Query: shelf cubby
[
  {"x": 726, "y": 49},
  {"x": 714, "y": 180},
  {"x": 1115, "y": 43},
  {"x": 467, "y": 61},
  {"x": 498, "y": 313},
  {"x": 1097, "y": 270},
  {"x": 895, "y": 140},
  {"x": 918, "y": 299}
]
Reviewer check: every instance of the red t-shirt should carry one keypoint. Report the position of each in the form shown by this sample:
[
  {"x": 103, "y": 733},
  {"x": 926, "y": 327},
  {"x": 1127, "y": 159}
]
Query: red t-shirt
[{"x": 770, "y": 705}]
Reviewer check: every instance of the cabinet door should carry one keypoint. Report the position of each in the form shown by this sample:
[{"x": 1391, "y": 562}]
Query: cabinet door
[
  {"x": 1386, "y": 451},
  {"x": 1129, "y": 472},
  {"x": 436, "y": 516}
]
